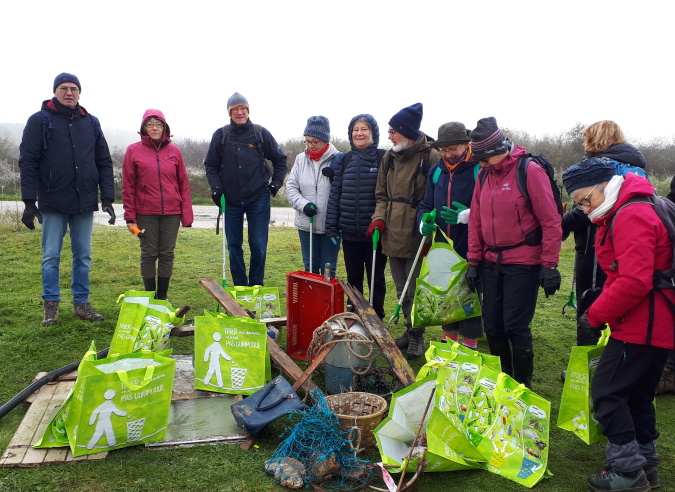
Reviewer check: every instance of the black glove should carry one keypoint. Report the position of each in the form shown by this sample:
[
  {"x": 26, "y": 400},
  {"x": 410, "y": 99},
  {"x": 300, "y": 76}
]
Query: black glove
[
  {"x": 309, "y": 210},
  {"x": 216, "y": 195},
  {"x": 549, "y": 279},
  {"x": 106, "y": 206},
  {"x": 274, "y": 188},
  {"x": 585, "y": 325},
  {"x": 328, "y": 171},
  {"x": 472, "y": 277},
  {"x": 30, "y": 213}
]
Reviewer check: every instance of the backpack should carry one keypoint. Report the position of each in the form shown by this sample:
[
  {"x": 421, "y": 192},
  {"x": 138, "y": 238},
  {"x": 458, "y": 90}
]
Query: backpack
[
  {"x": 423, "y": 167},
  {"x": 258, "y": 138},
  {"x": 521, "y": 178},
  {"x": 663, "y": 279},
  {"x": 47, "y": 127}
]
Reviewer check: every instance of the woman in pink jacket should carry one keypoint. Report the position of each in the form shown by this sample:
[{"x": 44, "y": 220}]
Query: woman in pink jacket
[
  {"x": 156, "y": 197},
  {"x": 631, "y": 243}
]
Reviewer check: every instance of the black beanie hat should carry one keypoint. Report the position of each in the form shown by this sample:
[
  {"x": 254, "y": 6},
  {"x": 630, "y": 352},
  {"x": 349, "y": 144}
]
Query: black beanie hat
[
  {"x": 487, "y": 139},
  {"x": 588, "y": 172},
  {"x": 407, "y": 121},
  {"x": 66, "y": 77}
]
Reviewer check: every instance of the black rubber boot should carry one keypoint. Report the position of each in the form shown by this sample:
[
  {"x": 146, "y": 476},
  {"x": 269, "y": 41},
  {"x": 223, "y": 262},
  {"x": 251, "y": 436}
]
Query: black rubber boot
[
  {"x": 523, "y": 365},
  {"x": 503, "y": 351},
  {"x": 415, "y": 343},
  {"x": 149, "y": 284},
  {"x": 403, "y": 341},
  {"x": 162, "y": 287}
]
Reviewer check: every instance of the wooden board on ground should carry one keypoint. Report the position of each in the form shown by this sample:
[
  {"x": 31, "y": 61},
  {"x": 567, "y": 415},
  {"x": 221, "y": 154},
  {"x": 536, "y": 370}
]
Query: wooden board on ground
[
  {"x": 280, "y": 358},
  {"x": 377, "y": 330}
]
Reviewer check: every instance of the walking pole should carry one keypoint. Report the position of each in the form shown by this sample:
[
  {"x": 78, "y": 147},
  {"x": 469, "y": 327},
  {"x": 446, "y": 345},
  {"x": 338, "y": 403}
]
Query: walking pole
[
  {"x": 222, "y": 208},
  {"x": 397, "y": 311},
  {"x": 376, "y": 239}
]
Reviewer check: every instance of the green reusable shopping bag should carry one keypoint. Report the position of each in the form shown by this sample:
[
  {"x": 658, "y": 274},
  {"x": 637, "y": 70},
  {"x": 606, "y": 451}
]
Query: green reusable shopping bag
[
  {"x": 231, "y": 354},
  {"x": 144, "y": 323},
  {"x": 263, "y": 302},
  {"x": 116, "y": 402},
  {"x": 440, "y": 353},
  {"x": 576, "y": 405},
  {"x": 442, "y": 295},
  {"x": 509, "y": 425}
]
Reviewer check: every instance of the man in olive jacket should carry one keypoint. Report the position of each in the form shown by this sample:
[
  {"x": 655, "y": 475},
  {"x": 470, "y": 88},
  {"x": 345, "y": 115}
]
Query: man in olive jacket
[
  {"x": 401, "y": 182},
  {"x": 64, "y": 161}
]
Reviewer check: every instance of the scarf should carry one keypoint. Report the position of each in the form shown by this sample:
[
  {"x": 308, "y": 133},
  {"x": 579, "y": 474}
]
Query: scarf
[
  {"x": 315, "y": 156},
  {"x": 611, "y": 192},
  {"x": 452, "y": 165}
]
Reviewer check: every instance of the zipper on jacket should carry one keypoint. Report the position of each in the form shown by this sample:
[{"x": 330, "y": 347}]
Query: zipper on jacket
[
  {"x": 358, "y": 193},
  {"x": 449, "y": 204},
  {"x": 159, "y": 180}
]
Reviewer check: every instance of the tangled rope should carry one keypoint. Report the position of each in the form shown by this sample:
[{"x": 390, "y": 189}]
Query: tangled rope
[{"x": 343, "y": 334}]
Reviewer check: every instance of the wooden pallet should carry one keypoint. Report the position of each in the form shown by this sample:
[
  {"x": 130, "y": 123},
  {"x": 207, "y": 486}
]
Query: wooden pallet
[{"x": 44, "y": 404}]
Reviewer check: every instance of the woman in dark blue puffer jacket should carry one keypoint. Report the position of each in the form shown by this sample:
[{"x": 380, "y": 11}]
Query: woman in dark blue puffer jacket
[{"x": 352, "y": 203}]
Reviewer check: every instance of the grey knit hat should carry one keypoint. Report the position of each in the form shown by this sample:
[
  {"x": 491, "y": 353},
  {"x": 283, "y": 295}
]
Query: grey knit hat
[
  {"x": 588, "y": 172},
  {"x": 487, "y": 139},
  {"x": 318, "y": 127},
  {"x": 236, "y": 99},
  {"x": 66, "y": 77},
  {"x": 452, "y": 133}
]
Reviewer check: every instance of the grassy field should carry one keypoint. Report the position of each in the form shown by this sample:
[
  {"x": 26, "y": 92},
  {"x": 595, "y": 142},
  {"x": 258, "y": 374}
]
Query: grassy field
[{"x": 27, "y": 348}]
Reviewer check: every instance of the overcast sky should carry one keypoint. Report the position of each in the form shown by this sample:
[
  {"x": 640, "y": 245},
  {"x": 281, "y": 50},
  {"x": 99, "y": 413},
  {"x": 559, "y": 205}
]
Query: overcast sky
[{"x": 538, "y": 66}]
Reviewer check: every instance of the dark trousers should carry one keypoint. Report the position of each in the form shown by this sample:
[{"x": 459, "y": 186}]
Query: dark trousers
[
  {"x": 509, "y": 300},
  {"x": 623, "y": 389},
  {"x": 587, "y": 292},
  {"x": 359, "y": 256},
  {"x": 158, "y": 244},
  {"x": 258, "y": 218}
]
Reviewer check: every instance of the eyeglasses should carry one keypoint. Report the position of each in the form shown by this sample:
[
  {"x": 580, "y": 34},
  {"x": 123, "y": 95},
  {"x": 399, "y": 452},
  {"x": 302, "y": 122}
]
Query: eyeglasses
[
  {"x": 484, "y": 160},
  {"x": 157, "y": 124},
  {"x": 585, "y": 202},
  {"x": 312, "y": 142},
  {"x": 391, "y": 132},
  {"x": 65, "y": 89}
]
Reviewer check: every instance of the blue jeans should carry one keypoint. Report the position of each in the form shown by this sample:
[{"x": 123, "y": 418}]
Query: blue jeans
[
  {"x": 258, "y": 218},
  {"x": 323, "y": 251},
  {"x": 53, "y": 231}
]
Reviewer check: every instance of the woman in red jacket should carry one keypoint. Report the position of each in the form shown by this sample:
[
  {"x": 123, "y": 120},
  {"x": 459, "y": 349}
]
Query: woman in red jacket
[
  {"x": 156, "y": 197},
  {"x": 631, "y": 243}
]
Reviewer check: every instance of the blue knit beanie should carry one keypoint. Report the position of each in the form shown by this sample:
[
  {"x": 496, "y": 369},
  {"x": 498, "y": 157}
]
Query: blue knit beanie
[
  {"x": 66, "y": 77},
  {"x": 588, "y": 172},
  {"x": 407, "y": 121},
  {"x": 487, "y": 139},
  {"x": 318, "y": 127}
]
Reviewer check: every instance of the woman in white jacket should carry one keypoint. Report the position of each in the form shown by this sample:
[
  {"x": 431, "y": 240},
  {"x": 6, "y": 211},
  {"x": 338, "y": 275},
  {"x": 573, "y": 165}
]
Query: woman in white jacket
[{"x": 307, "y": 190}]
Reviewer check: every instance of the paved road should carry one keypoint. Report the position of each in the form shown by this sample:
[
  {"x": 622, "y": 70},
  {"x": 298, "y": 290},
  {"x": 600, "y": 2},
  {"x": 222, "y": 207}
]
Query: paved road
[{"x": 205, "y": 215}]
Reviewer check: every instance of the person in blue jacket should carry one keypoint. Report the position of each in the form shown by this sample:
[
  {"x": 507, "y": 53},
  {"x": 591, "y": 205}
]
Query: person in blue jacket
[
  {"x": 450, "y": 185},
  {"x": 235, "y": 168},
  {"x": 64, "y": 161}
]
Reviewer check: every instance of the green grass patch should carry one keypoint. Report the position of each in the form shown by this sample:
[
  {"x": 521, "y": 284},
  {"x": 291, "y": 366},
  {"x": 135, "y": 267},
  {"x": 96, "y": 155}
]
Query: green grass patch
[{"x": 27, "y": 348}]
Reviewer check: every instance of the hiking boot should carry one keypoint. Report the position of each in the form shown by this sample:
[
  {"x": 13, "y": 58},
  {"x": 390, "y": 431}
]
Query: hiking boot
[
  {"x": 83, "y": 310},
  {"x": 609, "y": 479},
  {"x": 51, "y": 313},
  {"x": 403, "y": 341},
  {"x": 415, "y": 344},
  {"x": 652, "y": 474},
  {"x": 666, "y": 383}
]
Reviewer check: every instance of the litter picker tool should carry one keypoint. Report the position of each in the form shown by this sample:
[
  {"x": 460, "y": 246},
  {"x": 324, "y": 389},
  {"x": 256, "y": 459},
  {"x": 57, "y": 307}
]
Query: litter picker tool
[
  {"x": 376, "y": 239},
  {"x": 222, "y": 212},
  {"x": 571, "y": 301},
  {"x": 137, "y": 232},
  {"x": 311, "y": 233},
  {"x": 397, "y": 311}
]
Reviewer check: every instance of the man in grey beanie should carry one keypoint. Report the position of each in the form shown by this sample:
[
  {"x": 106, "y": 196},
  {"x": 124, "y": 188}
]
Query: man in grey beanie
[
  {"x": 64, "y": 162},
  {"x": 236, "y": 169}
]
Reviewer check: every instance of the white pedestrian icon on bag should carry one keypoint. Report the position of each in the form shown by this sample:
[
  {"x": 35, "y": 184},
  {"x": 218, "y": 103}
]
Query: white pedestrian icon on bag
[
  {"x": 104, "y": 425},
  {"x": 212, "y": 355}
]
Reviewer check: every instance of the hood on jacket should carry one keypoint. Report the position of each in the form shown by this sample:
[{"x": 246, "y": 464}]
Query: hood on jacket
[
  {"x": 623, "y": 152},
  {"x": 374, "y": 129},
  {"x": 157, "y": 114},
  {"x": 50, "y": 105},
  {"x": 633, "y": 185}
]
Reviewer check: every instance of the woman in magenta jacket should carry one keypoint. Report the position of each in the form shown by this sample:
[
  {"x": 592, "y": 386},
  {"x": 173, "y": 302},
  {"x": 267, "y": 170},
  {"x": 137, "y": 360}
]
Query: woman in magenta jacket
[
  {"x": 631, "y": 243},
  {"x": 156, "y": 197}
]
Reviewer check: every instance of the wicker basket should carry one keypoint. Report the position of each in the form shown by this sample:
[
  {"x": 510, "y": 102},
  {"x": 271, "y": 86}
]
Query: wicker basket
[{"x": 364, "y": 411}]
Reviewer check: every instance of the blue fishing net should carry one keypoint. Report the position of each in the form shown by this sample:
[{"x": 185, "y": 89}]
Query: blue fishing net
[{"x": 317, "y": 451}]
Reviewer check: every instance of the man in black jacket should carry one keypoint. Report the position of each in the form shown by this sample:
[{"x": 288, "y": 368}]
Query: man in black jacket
[
  {"x": 236, "y": 168},
  {"x": 64, "y": 161}
]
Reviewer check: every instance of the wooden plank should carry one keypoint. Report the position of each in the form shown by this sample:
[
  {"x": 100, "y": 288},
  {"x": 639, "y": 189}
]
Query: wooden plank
[
  {"x": 21, "y": 441},
  {"x": 377, "y": 330},
  {"x": 279, "y": 321},
  {"x": 29, "y": 399},
  {"x": 280, "y": 358}
]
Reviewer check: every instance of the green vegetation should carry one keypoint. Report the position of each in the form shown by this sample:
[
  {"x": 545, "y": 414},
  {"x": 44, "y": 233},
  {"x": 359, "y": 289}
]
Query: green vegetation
[{"x": 27, "y": 348}]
